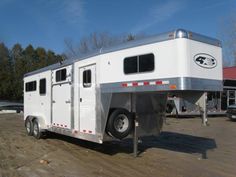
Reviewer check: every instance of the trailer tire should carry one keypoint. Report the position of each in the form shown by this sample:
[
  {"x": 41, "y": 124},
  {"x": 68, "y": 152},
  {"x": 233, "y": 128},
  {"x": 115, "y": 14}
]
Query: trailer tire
[
  {"x": 169, "y": 108},
  {"x": 29, "y": 127},
  {"x": 120, "y": 123},
  {"x": 36, "y": 131}
]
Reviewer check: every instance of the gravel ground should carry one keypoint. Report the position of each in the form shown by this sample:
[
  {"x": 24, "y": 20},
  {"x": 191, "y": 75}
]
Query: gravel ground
[{"x": 184, "y": 149}]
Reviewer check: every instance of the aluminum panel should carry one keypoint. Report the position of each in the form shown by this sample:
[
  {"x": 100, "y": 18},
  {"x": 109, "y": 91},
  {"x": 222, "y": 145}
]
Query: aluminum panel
[{"x": 181, "y": 83}]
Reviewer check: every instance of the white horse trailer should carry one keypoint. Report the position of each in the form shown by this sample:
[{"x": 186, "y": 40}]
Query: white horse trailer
[{"x": 116, "y": 90}]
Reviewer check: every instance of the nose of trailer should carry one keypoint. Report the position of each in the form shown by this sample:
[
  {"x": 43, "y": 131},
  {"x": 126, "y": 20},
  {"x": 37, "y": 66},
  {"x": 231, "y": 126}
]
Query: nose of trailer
[{"x": 199, "y": 61}]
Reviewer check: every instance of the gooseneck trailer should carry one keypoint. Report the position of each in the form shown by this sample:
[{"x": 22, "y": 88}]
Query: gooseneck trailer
[{"x": 123, "y": 89}]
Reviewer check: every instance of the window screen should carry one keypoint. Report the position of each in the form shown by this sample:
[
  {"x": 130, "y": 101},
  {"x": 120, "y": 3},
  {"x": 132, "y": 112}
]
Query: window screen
[
  {"x": 30, "y": 86},
  {"x": 42, "y": 86},
  {"x": 61, "y": 75},
  {"x": 137, "y": 64},
  {"x": 87, "y": 80}
]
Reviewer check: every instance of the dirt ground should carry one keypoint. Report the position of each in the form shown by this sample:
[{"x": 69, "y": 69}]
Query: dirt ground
[{"x": 184, "y": 149}]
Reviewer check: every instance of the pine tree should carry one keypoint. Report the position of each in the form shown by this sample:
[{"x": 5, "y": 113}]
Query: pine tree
[
  {"x": 16, "y": 62},
  {"x": 19, "y": 68},
  {"x": 5, "y": 73}
]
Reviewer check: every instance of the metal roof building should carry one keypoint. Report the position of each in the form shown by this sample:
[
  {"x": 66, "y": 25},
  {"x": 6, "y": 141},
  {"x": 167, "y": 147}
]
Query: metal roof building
[{"x": 229, "y": 73}]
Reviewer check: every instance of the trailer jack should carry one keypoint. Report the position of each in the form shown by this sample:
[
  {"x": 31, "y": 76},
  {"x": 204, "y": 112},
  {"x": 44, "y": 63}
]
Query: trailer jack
[
  {"x": 135, "y": 137},
  {"x": 203, "y": 108}
]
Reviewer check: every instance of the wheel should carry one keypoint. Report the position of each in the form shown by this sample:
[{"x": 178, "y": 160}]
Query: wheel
[
  {"x": 233, "y": 119},
  {"x": 169, "y": 108},
  {"x": 29, "y": 127},
  {"x": 120, "y": 123},
  {"x": 36, "y": 132}
]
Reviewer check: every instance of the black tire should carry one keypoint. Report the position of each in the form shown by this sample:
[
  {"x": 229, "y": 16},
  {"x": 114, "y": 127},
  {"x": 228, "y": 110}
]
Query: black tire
[
  {"x": 233, "y": 120},
  {"x": 120, "y": 123},
  {"x": 169, "y": 108},
  {"x": 36, "y": 131},
  {"x": 29, "y": 127}
]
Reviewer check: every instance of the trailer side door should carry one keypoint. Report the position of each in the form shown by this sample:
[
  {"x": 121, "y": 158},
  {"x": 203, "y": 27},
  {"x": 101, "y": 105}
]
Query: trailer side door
[
  {"x": 61, "y": 97},
  {"x": 87, "y": 99}
]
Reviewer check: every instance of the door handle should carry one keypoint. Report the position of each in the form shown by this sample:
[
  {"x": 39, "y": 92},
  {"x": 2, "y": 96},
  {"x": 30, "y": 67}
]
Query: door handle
[
  {"x": 53, "y": 101},
  {"x": 68, "y": 101},
  {"x": 80, "y": 99}
]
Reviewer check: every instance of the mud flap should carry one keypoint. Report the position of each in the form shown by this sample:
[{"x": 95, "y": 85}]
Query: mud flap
[{"x": 149, "y": 112}]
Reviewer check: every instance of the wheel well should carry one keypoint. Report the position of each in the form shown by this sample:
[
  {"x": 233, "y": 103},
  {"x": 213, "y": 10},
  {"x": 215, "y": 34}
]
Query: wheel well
[
  {"x": 110, "y": 111},
  {"x": 31, "y": 118},
  {"x": 109, "y": 124},
  {"x": 40, "y": 120},
  {"x": 113, "y": 109},
  {"x": 27, "y": 118}
]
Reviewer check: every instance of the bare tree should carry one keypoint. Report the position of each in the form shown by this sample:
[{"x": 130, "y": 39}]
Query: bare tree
[
  {"x": 93, "y": 42},
  {"x": 71, "y": 50},
  {"x": 83, "y": 47},
  {"x": 96, "y": 41}
]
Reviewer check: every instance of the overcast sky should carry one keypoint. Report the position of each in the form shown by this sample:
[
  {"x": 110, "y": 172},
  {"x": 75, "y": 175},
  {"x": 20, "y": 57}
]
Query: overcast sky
[{"x": 47, "y": 23}]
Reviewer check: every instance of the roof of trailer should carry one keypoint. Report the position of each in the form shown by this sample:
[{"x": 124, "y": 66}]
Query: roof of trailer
[{"x": 179, "y": 33}]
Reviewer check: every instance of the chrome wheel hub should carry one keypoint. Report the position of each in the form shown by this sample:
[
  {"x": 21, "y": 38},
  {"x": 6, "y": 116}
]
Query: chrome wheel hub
[{"x": 122, "y": 123}]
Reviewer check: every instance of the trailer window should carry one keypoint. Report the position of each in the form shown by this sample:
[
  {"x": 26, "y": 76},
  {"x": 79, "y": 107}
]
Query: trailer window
[
  {"x": 61, "y": 75},
  {"x": 131, "y": 65},
  {"x": 87, "y": 78},
  {"x": 139, "y": 64},
  {"x": 146, "y": 63},
  {"x": 30, "y": 86},
  {"x": 42, "y": 86}
]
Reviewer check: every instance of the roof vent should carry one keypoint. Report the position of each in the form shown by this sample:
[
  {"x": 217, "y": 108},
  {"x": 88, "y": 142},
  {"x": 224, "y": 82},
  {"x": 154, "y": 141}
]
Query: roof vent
[{"x": 180, "y": 33}]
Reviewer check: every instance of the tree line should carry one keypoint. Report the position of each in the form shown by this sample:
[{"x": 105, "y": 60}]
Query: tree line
[
  {"x": 96, "y": 41},
  {"x": 17, "y": 61}
]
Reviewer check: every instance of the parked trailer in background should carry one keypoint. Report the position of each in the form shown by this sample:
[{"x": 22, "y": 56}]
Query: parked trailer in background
[
  {"x": 217, "y": 102},
  {"x": 101, "y": 95},
  {"x": 178, "y": 106}
]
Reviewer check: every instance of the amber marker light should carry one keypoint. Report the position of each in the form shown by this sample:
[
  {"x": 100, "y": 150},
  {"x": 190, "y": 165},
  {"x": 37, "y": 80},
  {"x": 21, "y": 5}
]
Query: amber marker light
[{"x": 172, "y": 87}]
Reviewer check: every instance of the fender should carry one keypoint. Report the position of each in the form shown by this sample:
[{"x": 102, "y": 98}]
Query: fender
[{"x": 40, "y": 120}]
